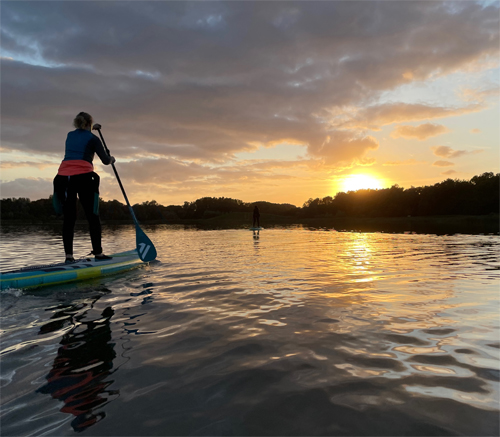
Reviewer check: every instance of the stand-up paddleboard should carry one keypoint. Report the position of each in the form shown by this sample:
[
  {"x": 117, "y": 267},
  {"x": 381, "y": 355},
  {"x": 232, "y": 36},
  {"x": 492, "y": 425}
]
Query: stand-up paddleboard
[
  {"x": 52, "y": 274},
  {"x": 256, "y": 229}
]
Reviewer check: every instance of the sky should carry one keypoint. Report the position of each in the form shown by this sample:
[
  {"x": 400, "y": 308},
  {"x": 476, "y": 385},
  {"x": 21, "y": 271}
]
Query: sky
[{"x": 255, "y": 100}]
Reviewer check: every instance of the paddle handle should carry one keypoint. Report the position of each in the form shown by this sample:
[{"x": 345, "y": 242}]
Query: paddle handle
[{"x": 118, "y": 177}]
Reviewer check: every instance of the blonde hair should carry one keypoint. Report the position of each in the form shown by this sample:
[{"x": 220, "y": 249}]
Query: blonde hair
[{"x": 82, "y": 121}]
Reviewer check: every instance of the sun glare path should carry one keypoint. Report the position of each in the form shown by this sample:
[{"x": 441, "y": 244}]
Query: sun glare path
[{"x": 356, "y": 182}]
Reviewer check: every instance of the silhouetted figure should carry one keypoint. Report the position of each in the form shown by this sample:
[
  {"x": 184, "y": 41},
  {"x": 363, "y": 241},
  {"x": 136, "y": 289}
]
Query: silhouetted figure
[
  {"x": 256, "y": 217},
  {"x": 76, "y": 178}
]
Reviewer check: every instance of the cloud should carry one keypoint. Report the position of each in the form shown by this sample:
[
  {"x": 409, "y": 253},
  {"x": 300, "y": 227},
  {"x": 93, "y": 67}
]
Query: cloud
[
  {"x": 449, "y": 172},
  {"x": 345, "y": 146},
  {"x": 475, "y": 131},
  {"x": 411, "y": 161},
  {"x": 7, "y": 165},
  {"x": 270, "y": 165},
  {"x": 443, "y": 164},
  {"x": 375, "y": 116},
  {"x": 168, "y": 173},
  {"x": 188, "y": 181},
  {"x": 163, "y": 171},
  {"x": 448, "y": 152},
  {"x": 31, "y": 188},
  {"x": 421, "y": 132},
  {"x": 192, "y": 84},
  {"x": 479, "y": 95}
]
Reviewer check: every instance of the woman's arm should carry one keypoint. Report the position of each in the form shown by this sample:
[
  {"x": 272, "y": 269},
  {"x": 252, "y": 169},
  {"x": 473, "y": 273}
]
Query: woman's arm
[{"x": 99, "y": 149}]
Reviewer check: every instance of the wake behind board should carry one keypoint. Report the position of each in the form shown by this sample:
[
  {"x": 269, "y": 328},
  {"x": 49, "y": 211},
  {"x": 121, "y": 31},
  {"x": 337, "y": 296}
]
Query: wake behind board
[
  {"x": 52, "y": 274},
  {"x": 256, "y": 229}
]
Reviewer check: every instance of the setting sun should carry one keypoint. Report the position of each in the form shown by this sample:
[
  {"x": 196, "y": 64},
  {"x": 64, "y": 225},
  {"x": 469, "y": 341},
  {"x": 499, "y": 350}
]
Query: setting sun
[{"x": 356, "y": 182}]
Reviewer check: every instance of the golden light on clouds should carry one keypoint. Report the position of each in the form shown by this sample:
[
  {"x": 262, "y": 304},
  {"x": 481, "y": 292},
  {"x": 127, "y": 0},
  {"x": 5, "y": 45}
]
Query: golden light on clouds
[
  {"x": 392, "y": 93},
  {"x": 408, "y": 75},
  {"x": 355, "y": 182},
  {"x": 443, "y": 164},
  {"x": 421, "y": 132}
]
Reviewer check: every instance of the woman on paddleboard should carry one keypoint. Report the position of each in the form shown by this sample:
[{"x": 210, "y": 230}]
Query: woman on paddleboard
[{"x": 76, "y": 178}]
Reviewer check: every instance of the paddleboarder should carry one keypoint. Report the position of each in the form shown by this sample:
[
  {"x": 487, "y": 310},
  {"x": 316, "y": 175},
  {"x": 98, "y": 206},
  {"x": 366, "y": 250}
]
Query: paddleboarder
[
  {"x": 76, "y": 178},
  {"x": 256, "y": 217}
]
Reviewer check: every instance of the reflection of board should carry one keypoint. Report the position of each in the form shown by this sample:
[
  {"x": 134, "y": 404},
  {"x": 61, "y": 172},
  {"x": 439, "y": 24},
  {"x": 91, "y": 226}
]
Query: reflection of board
[{"x": 256, "y": 229}]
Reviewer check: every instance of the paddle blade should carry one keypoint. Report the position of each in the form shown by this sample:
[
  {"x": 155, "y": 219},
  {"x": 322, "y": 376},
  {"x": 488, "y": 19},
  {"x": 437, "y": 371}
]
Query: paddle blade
[{"x": 145, "y": 247}]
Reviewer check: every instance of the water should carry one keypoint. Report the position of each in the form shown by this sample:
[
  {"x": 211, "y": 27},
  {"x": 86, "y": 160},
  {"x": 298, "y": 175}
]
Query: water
[{"x": 298, "y": 332}]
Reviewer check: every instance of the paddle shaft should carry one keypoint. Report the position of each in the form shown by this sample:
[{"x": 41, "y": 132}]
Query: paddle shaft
[
  {"x": 145, "y": 247},
  {"x": 118, "y": 179}
]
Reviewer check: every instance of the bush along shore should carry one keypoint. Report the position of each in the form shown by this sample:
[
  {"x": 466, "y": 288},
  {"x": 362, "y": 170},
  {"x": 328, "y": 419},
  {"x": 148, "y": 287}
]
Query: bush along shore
[{"x": 451, "y": 206}]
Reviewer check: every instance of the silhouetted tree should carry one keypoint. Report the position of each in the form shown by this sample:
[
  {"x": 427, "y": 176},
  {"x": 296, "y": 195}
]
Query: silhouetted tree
[{"x": 478, "y": 196}]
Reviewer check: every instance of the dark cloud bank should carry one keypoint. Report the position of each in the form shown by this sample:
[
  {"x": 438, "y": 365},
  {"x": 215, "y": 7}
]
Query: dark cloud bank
[{"x": 200, "y": 81}]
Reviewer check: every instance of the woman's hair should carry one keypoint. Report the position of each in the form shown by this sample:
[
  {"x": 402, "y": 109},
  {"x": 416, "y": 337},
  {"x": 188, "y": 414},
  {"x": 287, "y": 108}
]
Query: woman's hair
[{"x": 82, "y": 120}]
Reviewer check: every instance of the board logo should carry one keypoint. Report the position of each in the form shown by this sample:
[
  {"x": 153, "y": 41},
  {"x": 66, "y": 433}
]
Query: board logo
[{"x": 143, "y": 249}]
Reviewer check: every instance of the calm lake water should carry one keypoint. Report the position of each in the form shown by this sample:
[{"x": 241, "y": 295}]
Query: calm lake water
[{"x": 297, "y": 332}]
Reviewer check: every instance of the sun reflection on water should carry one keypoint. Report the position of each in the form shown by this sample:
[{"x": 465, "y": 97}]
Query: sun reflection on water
[{"x": 224, "y": 322}]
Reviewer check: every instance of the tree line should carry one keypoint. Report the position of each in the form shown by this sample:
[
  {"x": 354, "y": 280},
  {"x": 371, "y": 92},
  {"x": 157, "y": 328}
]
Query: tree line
[{"x": 477, "y": 196}]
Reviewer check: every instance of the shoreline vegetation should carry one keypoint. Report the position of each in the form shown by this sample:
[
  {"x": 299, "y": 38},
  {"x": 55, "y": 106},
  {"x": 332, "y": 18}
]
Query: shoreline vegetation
[{"x": 448, "y": 207}]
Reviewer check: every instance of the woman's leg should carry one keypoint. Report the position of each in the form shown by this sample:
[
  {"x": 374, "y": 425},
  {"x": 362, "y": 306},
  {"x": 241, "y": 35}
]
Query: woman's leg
[
  {"x": 69, "y": 211},
  {"x": 88, "y": 193}
]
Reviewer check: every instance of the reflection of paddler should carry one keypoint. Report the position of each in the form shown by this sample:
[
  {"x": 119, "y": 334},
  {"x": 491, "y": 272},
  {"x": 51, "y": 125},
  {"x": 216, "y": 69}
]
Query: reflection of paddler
[
  {"x": 83, "y": 361},
  {"x": 256, "y": 217}
]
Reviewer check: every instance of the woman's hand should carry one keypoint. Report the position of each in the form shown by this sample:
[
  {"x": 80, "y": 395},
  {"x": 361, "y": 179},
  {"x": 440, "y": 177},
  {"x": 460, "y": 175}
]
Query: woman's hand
[{"x": 113, "y": 160}]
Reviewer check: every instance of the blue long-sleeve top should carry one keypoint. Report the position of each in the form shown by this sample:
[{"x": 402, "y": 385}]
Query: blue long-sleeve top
[{"x": 81, "y": 146}]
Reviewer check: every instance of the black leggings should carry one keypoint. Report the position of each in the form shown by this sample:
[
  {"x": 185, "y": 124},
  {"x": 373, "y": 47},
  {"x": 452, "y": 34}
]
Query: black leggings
[{"x": 86, "y": 187}]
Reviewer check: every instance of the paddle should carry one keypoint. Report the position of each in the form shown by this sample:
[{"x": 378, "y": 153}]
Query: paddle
[{"x": 145, "y": 247}]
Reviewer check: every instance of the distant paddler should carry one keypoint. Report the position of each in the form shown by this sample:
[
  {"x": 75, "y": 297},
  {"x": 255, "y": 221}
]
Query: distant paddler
[
  {"x": 76, "y": 178},
  {"x": 256, "y": 217}
]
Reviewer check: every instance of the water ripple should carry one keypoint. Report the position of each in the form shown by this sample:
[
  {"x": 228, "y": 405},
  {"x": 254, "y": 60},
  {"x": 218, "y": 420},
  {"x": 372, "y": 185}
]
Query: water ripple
[{"x": 298, "y": 332}]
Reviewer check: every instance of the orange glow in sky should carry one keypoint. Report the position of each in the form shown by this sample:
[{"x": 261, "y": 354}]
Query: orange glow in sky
[{"x": 339, "y": 96}]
